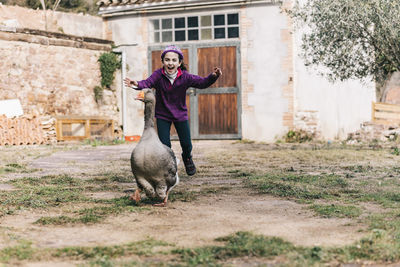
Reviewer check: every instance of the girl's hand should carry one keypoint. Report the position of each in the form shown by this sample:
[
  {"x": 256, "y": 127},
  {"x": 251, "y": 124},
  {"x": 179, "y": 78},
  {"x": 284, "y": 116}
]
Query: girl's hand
[
  {"x": 130, "y": 83},
  {"x": 217, "y": 72}
]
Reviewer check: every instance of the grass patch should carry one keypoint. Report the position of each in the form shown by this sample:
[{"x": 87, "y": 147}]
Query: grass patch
[
  {"x": 303, "y": 188},
  {"x": 111, "y": 179},
  {"x": 16, "y": 168},
  {"x": 95, "y": 142},
  {"x": 184, "y": 196},
  {"x": 339, "y": 211},
  {"x": 142, "y": 248},
  {"x": 59, "y": 220},
  {"x": 40, "y": 197},
  {"x": 239, "y": 173},
  {"x": 244, "y": 141},
  {"x": 247, "y": 245},
  {"x": 299, "y": 187},
  {"x": 47, "y": 180},
  {"x": 85, "y": 216},
  {"x": 242, "y": 244},
  {"x": 55, "y": 190},
  {"x": 358, "y": 168},
  {"x": 22, "y": 251},
  {"x": 94, "y": 214}
]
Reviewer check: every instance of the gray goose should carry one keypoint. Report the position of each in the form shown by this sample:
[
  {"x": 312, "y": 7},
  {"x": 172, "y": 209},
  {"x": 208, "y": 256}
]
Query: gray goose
[{"x": 153, "y": 164}]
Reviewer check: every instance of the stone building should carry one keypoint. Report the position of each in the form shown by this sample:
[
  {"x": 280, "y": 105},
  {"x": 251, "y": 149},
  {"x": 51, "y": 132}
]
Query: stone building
[{"x": 265, "y": 90}]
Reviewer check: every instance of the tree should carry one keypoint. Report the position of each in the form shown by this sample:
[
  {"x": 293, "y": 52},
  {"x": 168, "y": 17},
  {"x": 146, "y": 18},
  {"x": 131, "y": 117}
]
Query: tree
[{"x": 351, "y": 39}]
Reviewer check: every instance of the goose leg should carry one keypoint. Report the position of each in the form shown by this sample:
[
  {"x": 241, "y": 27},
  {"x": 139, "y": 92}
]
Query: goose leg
[
  {"x": 144, "y": 185},
  {"x": 162, "y": 204},
  {"x": 136, "y": 196},
  {"x": 162, "y": 193}
]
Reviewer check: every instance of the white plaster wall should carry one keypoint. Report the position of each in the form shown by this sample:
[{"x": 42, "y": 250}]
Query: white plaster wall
[
  {"x": 127, "y": 31},
  {"x": 341, "y": 106},
  {"x": 265, "y": 54}
]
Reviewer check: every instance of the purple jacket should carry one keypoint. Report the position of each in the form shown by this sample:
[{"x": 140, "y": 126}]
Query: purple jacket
[{"x": 171, "y": 98}]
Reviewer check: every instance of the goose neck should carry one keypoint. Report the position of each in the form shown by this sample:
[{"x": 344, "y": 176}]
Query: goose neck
[{"x": 148, "y": 115}]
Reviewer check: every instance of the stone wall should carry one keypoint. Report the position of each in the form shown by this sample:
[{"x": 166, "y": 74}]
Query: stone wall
[
  {"x": 52, "y": 21},
  {"x": 53, "y": 80},
  {"x": 308, "y": 121},
  {"x": 54, "y": 73}
]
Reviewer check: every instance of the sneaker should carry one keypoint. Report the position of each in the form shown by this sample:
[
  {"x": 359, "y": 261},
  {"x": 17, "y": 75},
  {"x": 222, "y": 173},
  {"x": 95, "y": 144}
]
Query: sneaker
[{"x": 189, "y": 166}]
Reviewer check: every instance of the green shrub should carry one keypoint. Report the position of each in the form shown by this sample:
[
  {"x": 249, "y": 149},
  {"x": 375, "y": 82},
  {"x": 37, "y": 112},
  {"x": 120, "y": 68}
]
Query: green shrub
[{"x": 298, "y": 136}]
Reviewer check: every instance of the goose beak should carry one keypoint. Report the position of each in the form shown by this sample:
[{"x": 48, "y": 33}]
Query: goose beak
[{"x": 140, "y": 96}]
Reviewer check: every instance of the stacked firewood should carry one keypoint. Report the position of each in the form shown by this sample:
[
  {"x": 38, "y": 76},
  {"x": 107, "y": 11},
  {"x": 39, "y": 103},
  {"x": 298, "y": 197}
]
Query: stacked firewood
[
  {"x": 48, "y": 124},
  {"x": 24, "y": 130}
]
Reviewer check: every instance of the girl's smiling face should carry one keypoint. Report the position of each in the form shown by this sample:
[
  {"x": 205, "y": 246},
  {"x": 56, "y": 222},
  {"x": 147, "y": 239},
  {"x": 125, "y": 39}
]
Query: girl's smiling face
[{"x": 171, "y": 62}]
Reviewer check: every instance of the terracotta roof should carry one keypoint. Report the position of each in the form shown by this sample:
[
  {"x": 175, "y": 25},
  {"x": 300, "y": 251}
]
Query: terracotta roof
[
  {"x": 134, "y": 2},
  {"x": 116, "y": 6}
]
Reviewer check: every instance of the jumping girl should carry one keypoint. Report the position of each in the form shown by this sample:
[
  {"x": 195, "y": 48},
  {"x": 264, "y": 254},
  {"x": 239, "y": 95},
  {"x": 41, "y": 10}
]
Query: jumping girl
[{"x": 171, "y": 82}]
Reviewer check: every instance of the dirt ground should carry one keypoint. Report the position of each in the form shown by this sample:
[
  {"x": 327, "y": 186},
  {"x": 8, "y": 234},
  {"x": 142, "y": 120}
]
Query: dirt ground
[{"x": 185, "y": 224}]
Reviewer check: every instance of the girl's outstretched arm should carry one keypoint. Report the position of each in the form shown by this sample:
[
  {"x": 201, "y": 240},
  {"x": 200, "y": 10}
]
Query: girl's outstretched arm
[
  {"x": 130, "y": 83},
  {"x": 148, "y": 83},
  {"x": 217, "y": 72},
  {"x": 202, "y": 83},
  {"x": 151, "y": 81}
]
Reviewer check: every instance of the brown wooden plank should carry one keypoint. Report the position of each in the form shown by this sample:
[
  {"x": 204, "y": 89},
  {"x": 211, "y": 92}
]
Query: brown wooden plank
[
  {"x": 222, "y": 104},
  {"x": 82, "y": 118},
  {"x": 223, "y": 57},
  {"x": 387, "y": 107},
  {"x": 384, "y": 113},
  {"x": 388, "y": 116},
  {"x": 156, "y": 60},
  {"x": 373, "y": 111}
]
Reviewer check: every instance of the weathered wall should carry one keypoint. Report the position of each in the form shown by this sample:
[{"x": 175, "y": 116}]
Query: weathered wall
[
  {"x": 53, "y": 80},
  {"x": 54, "y": 74},
  {"x": 68, "y": 23},
  {"x": 131, "y": 33},
  {"x": 280, "y": 93},
  {"x": 266, "y": 70}
]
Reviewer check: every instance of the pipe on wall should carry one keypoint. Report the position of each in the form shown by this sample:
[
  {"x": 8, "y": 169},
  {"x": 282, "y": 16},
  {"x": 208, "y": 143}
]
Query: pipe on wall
[{"x": 122, "y": 52}]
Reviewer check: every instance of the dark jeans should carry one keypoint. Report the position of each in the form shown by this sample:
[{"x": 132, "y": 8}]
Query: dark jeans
[{"x": 183, "y": 130}]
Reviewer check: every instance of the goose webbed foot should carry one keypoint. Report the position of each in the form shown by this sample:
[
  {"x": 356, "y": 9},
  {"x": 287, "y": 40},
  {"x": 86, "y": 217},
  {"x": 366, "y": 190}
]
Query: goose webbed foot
[
  {"x": 135, "y": 196},
  {"x": 162, "y": 204}
]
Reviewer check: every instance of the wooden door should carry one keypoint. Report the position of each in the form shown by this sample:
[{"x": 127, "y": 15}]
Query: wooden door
[
  {"x": 218, "y": 107},
  {"x": 213, "y": 112}
]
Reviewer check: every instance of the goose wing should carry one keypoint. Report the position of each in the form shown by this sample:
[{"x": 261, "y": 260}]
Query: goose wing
[{"x": 171, "y": 168}]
